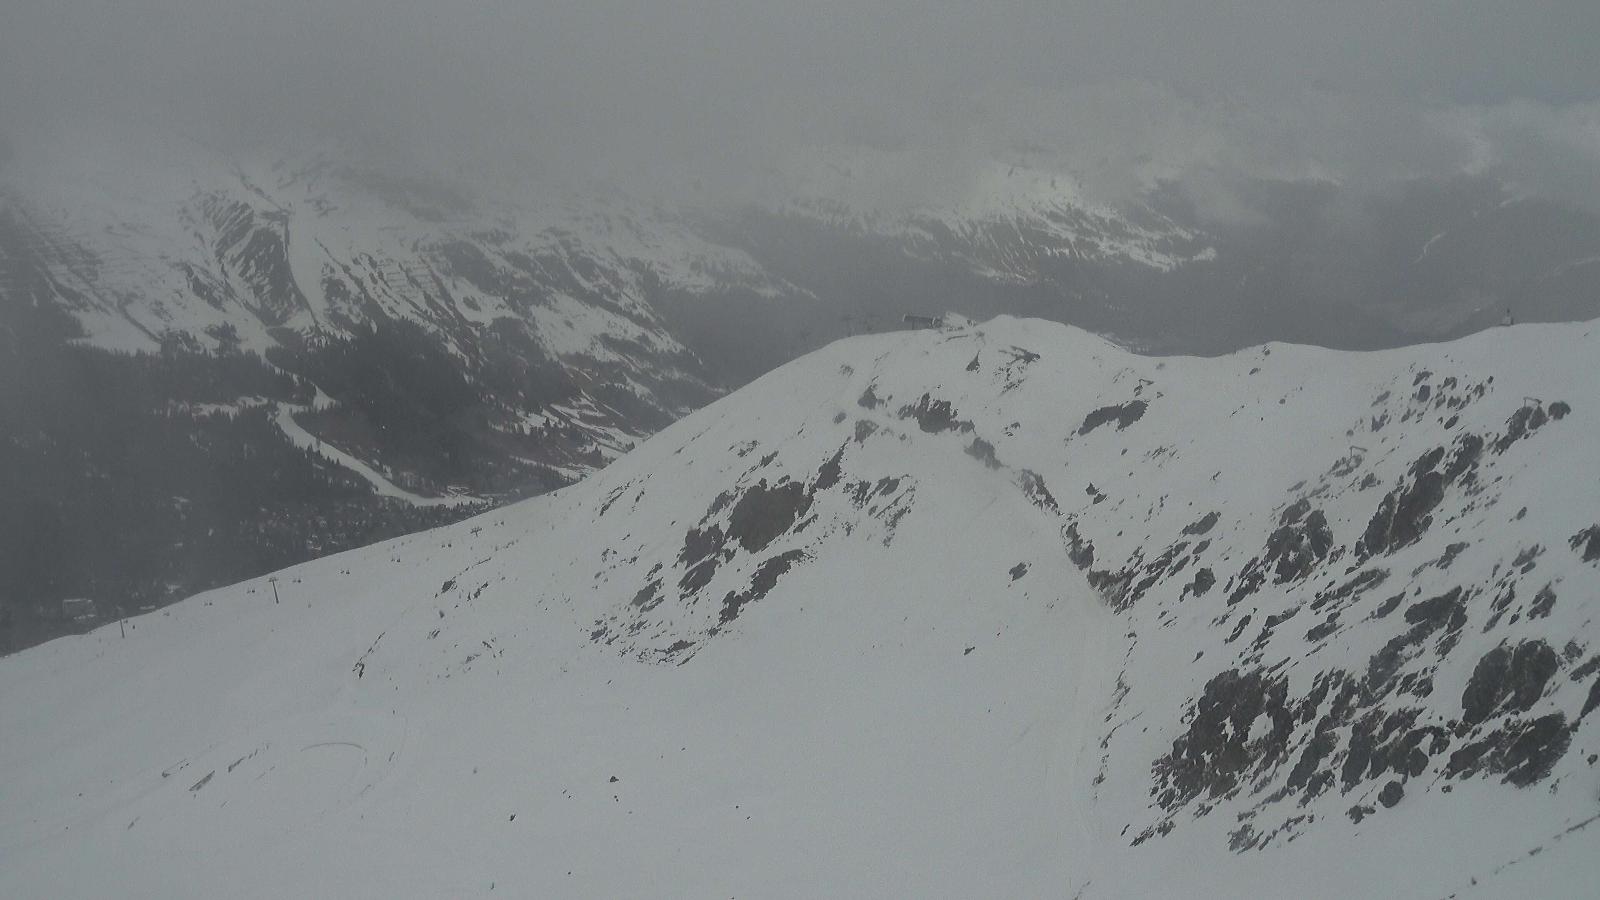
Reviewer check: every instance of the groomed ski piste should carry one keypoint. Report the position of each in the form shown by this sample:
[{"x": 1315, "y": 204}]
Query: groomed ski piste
[{"x": 995, "y": 610}]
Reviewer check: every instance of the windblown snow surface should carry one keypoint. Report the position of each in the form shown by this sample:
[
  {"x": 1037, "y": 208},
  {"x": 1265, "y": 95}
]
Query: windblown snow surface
[{"x": 995, "y": 611}]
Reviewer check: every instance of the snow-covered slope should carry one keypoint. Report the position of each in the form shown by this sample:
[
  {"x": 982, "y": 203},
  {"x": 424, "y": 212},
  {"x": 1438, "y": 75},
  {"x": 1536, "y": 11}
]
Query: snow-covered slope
[
  {"x": 995, "y": 611},
  {"x": 157, "y": 234}
]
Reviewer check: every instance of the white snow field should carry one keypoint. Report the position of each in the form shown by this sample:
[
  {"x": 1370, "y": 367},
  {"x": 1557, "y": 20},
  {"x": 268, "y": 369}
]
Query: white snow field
[{"x": 998, "y": 611}]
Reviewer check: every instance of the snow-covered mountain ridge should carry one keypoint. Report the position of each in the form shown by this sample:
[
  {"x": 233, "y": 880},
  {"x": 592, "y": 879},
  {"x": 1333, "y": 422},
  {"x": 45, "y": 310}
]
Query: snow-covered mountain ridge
[
  {"x": 1001, "y": 610},
  {"x": 156, "y": 235},
  {"x": 215, "y": 252},
  {"x": 168, "y": 235}
]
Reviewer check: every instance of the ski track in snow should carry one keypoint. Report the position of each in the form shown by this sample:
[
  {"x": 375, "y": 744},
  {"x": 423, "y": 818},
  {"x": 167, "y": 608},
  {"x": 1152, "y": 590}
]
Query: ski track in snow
[{"x": 283, "y": 415}]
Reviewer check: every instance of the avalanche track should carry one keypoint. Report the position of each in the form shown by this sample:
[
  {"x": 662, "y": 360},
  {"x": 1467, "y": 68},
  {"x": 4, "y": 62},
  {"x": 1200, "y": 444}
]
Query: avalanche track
[{"x": 1000, "y": 610}]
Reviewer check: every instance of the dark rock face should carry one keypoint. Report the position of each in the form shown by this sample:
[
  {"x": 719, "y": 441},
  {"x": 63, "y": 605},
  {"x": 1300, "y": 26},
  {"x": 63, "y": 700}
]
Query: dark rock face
[
  {"x": 1034, "y": 489},
  {"x": 1468, "y": 450},
  {"x": 699, "y": 556},
  {"x": 1325, "y": 630},
  {"x": 1402, "y": 517},
  {"x": 745, "y": 520},
  {"x": 1123, "y": 588},
  {"x": 1351, "y": 730},
  {"x": 828, "y": 475},
  {"x": 934, "y": 416},
  {"x": 983, "y": 451},
  {"x": 1522, "y": 752},
  {"x": 1525, "y": 559},
  {"x": 1301, "y": 542},
  {"x": 1587, "y": 543},
  {"x": 1295, "y": 548},
  {"x": 765, "y": 512},
  {"x": 1543, "y": 603},
  {"x": 1079, "y": 549},
  {"x": 1203, "y": 525},
  {"x": 1515, "y": 678},
  {"x": 649, "y": 597},
  {"x": 698, "y": 575},
  {"x": 1216, "y": 751},
  {"x": 1522, "y": 423},
  {"x": 761, "y": 583},
  {"x": 1351, "y": 591},
  {"x": 1447, "y": 609},
  {"x": 1388, "y": 606},
  {"x": 1381, "y": 743},
  {"x": 1446, "y": 613},
  {"x": 1404, "y": 513},
  {"x": 1450, "y": 554},
  {"x": 258, "y": 249},
  {"x": 1123, "y": 414},
  {"x": 1391, "y": 794}
]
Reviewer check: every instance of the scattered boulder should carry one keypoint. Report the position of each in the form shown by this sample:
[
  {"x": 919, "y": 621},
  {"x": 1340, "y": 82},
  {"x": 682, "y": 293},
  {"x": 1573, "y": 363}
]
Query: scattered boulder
[
  {"x": 1391, "y": 794},
  {"x": 983, "y": 451},
  {"x": 1524, "y": 422},
  {"x": 1587, "y": 543}
]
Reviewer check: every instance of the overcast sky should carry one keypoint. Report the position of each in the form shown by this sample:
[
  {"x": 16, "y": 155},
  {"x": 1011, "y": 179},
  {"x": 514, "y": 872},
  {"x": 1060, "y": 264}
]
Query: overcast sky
[{"x": 719, "y": 91}]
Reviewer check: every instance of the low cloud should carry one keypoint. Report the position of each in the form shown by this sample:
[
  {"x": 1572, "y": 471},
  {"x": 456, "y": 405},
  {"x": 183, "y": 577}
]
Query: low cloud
[{"x": 717, "y": 100}]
